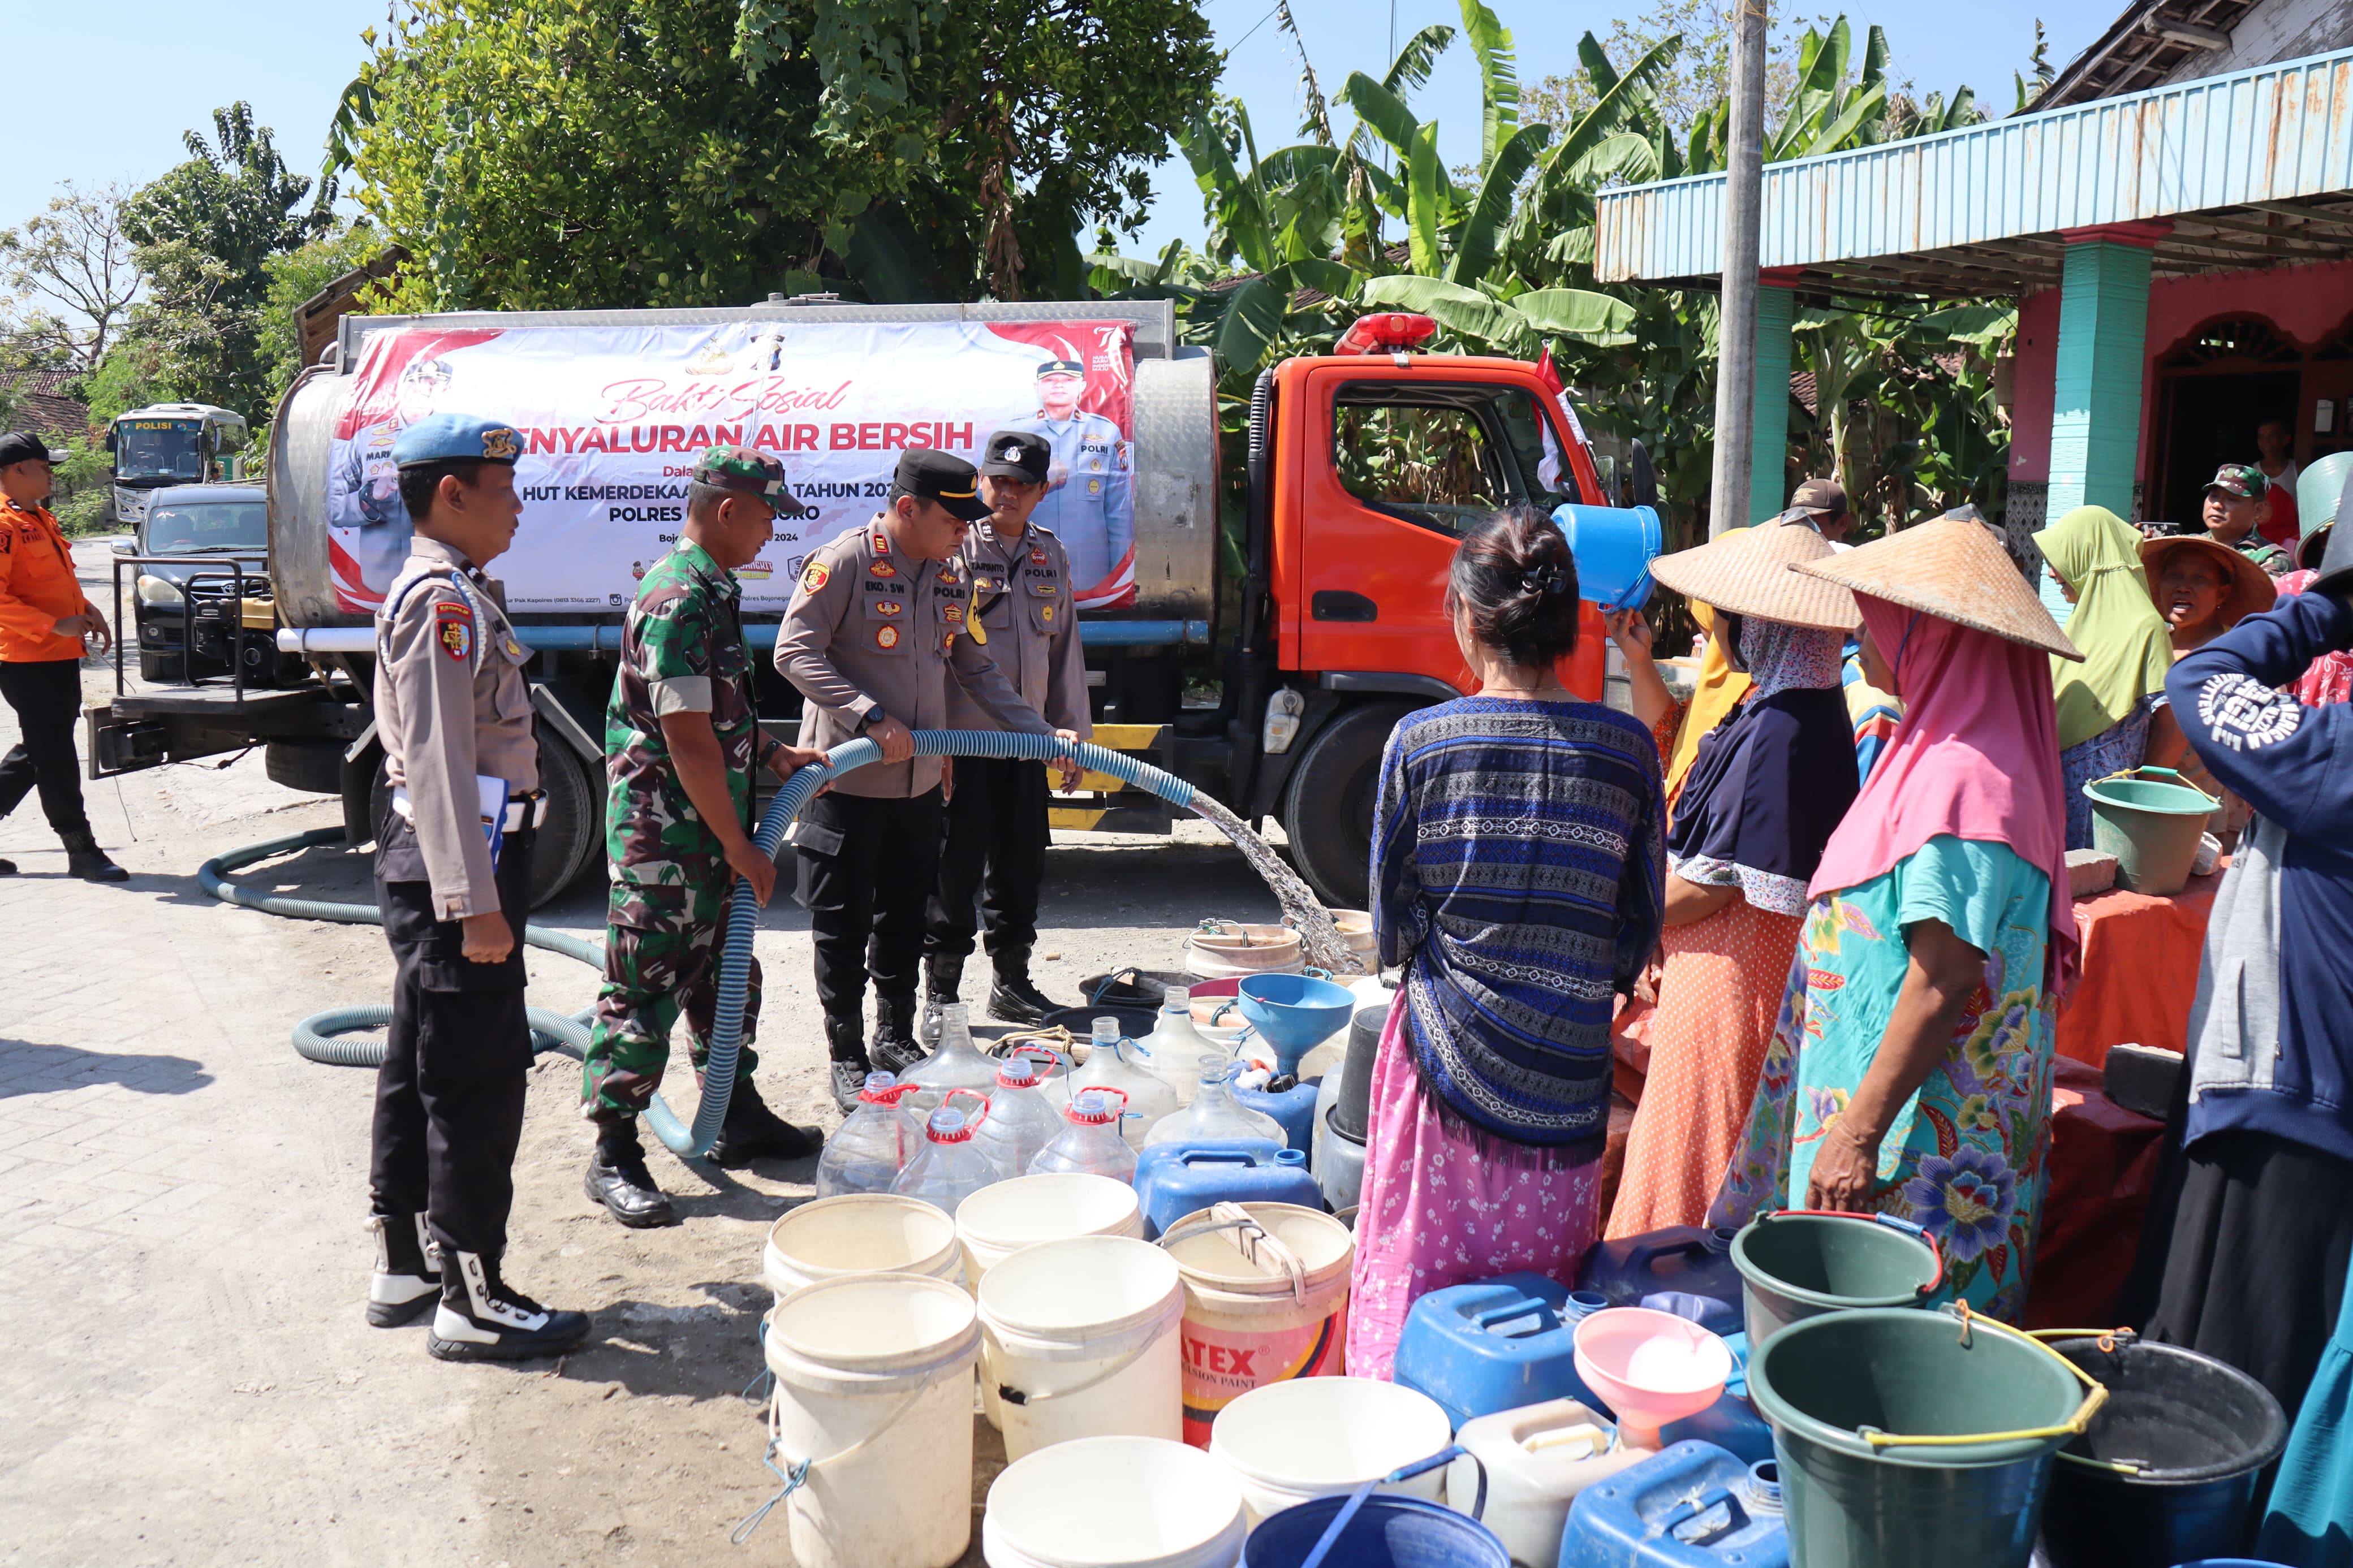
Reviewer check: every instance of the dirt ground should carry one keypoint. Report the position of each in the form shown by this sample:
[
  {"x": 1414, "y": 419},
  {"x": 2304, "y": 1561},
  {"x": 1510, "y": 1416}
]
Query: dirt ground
[{"x": 189, "y": 1378}]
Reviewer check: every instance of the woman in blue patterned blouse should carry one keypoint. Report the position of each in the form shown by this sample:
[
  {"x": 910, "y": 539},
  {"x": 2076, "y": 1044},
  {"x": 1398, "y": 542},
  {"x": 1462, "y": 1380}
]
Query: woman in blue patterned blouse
[{"x": 1517, "y": 860}]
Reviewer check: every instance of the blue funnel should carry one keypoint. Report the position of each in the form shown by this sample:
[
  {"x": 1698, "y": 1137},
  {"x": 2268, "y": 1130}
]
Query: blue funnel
[{"x": 1294, "y": 1014}]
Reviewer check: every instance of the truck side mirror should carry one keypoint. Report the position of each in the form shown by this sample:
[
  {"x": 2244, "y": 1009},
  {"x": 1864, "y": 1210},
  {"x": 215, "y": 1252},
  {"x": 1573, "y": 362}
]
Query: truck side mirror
[{"x": 1645, "y": 478}]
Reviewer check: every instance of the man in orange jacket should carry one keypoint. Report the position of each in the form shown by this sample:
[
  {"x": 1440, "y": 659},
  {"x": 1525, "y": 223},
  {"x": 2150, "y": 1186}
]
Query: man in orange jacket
[{"x": 44, "y": 623}]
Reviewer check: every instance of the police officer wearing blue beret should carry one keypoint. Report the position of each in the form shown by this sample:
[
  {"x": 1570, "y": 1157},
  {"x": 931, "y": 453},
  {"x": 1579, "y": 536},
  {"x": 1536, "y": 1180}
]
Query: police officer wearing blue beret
[{"x": 453, "y": 878}]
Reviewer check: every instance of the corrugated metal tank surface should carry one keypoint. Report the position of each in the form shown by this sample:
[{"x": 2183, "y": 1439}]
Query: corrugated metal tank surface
[
  {"x": 2273, "y": 133},
  {"x": 1176, "y": 435}
]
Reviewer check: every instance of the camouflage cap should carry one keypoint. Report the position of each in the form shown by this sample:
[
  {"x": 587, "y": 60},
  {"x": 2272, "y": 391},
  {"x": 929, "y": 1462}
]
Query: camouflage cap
[
  {"x": 744, "y": 471},
  {"x": 2241, "y": 480}
]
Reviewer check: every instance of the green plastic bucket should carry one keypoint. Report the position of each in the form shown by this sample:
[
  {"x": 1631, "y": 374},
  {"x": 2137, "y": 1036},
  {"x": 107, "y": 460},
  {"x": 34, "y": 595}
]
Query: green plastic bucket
[
  {"x": 1912, "y": 1439},
  {"x": 1801, "y": 1263},
  {"x": 2151, "y": 827}
]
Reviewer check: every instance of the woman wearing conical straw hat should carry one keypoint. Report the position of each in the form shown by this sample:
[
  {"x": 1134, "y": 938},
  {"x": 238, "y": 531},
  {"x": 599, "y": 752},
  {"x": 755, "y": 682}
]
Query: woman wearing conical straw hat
[
  {"x": 1910, "y": 1069},
  {"x": 1768, "y": 786}
]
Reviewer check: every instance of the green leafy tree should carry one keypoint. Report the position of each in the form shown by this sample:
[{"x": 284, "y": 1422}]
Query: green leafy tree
[
  {"x": 204, "y": 233},
  {"x": 68, "y": 279},
  {"x": 558, "y": 153}
]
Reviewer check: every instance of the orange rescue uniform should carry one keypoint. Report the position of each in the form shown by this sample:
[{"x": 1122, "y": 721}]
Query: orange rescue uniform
[{"x": 37, "y": 587}]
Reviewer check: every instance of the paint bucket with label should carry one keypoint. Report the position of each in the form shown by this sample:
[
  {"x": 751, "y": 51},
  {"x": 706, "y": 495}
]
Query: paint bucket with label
[{"x": 1266, "y": 1300}]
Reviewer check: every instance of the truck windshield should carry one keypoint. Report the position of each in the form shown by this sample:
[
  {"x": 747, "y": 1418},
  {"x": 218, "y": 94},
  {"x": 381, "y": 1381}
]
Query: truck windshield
[
  {"x": 158, "y": 450},
  {"x": 196, "y": 528},
  {"x": 1444, "y": 456}
]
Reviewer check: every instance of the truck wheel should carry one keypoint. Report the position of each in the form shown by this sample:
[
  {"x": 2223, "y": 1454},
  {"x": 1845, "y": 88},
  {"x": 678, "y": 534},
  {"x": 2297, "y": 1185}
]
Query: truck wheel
[
  {"x": 573, "y": 838},
  {"x": 315, "y": 767},
  {"x": 1328, "y": 810}
]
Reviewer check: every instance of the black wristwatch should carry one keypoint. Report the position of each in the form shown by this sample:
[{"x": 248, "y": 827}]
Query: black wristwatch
[{"x": 873, "y": 716}]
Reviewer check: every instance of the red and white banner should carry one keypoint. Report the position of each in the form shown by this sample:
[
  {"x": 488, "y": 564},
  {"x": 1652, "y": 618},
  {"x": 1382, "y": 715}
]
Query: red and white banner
[{"x": 612, "y": 419}]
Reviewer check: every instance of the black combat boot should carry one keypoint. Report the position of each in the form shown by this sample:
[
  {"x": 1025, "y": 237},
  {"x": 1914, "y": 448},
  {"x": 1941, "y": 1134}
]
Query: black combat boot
[
  {"x": 943, "y": 977},
  {"x": 1013, "y": 1000},
  {"x": 895, "y": 1047},
  {"x": 619, "y": 1179},
  {"x": 84, "y": 860},
  {"x": 8, "y": 868},
  {"x": 751, "y": 1132},
  {"x": 407, "y": 1278},
  {"x": 845, "y": 1041},
  {"x": 482, "y": 1318}
]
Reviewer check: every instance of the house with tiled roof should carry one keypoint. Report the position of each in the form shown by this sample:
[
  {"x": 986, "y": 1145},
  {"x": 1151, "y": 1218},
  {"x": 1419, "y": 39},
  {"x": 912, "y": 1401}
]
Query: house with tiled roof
[{"x": 43, "y": 405}]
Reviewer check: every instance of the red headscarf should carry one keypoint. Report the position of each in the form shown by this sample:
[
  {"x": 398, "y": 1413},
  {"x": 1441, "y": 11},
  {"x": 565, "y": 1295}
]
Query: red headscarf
[{"x": 1976, "y": 756}]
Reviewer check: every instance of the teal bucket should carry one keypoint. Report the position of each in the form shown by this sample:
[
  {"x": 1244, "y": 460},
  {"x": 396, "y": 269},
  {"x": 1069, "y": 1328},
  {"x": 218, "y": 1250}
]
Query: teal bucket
[
  {"x": 1912, "y": 1439},
  {"x": 1801, "y": 1263},
  {"x": 1613, "y": 547},
  {"x": 2150, "y": 825}
]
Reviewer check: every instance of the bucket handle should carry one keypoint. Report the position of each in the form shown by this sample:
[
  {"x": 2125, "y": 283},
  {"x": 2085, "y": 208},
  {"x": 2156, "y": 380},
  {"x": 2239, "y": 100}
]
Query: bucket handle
[
  {"x": 2096, "y": 1395},
  {"x": 2172, "y": 775},
  {"x": 796, "y": 1473},
  {"x": 1248, "y": 1238},
  {"x": 1889, "y": 1220},
  {"x": 1024, "y": 1398},
  {"x": 1332, "y": 1531}
]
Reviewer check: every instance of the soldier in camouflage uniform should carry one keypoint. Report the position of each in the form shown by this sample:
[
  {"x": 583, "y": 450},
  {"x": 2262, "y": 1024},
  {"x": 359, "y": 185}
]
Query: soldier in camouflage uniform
[{"x": 680, "y": 742}]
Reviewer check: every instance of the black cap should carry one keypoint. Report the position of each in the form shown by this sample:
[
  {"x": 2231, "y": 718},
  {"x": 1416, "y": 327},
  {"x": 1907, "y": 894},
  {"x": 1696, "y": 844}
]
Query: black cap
[
  {"x": 936, "y": 475},
  {"x": 1062, "y": 367},
  {"x": 1016, "y": 455},
  {"x": 23, "y": 446}
]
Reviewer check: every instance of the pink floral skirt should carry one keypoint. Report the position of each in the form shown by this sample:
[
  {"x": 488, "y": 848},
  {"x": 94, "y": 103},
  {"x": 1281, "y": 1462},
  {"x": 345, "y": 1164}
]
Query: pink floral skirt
[{"x": 1439, "y": 1207}]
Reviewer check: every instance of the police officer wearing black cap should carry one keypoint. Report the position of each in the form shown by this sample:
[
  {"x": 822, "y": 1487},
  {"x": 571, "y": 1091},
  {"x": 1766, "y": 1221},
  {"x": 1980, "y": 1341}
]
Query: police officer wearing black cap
[
  {"x": 996, "y": 823},
  {"x": 453, "y": 880},
  {"x": 878, "y": 633}
]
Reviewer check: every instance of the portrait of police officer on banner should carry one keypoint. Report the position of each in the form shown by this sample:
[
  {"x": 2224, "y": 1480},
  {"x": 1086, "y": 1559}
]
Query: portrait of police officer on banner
[{"x": 1090, "y": 501}]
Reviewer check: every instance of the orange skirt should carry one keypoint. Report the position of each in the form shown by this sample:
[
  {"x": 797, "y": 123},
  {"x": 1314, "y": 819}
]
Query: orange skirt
[{"x": 1719, "y": 997}]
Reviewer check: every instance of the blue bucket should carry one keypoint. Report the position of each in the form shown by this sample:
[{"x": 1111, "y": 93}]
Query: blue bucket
[
  {"x": 1614, "y": 547},
  {"x": 1387, "y": 1532}
]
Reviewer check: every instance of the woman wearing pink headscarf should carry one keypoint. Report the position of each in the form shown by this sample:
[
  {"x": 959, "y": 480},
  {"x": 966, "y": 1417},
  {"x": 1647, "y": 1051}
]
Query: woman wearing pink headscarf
[{"x": 1910, "y": 1069}]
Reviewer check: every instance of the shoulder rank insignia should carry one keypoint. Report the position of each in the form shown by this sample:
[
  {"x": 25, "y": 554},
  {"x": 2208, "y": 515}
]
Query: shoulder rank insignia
[
  {"x": 814, "y": 578},
  {"x": 881, "y": 541},
  {"x": 886, "y": 636},
  {"x": 453, "y": 628}
]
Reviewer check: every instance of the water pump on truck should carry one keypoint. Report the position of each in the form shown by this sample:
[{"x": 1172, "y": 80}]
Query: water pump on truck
[{"x": 1364, "y": 467}]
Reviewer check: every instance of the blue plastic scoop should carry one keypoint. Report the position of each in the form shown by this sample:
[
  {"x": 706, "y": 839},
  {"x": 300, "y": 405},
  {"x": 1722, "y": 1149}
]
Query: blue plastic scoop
[{"x": 1294, "y": 1014}]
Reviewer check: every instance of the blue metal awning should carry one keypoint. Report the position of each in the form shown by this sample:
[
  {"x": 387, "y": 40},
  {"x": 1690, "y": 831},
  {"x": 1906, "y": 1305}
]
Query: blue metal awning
[{"x": 2255, "y": 169}]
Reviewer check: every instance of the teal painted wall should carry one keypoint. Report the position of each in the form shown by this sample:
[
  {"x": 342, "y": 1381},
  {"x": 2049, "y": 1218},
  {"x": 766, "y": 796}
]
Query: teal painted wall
[
  {"x": 2096, "y": 389},
  {"x": 1767, "y": 476}
]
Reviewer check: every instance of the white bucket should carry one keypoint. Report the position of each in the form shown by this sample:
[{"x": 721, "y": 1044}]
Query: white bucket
[
  {"x": 1000, "y": 1220},
  {"x": 1083, "y": 1334},
  {"x": 1113, "y": 1502},
  {"x": 860, "y": 1233},
  {"x": 1288, "y": 1442},
  {"x": 874, "y": 1386},
  {"x": 1265, "y": 1301},
  {"x": 1536, "y": 1460},
  {"x": 1356, "y": 926}
]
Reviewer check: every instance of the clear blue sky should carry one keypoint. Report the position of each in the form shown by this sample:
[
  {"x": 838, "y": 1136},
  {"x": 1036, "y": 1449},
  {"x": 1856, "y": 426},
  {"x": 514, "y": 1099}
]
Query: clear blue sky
[{"x": 165, "y": 67}]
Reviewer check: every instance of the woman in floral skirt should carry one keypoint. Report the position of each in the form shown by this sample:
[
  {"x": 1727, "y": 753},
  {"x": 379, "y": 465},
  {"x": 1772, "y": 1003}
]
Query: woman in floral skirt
[{"x": 1910, "y": 1069}]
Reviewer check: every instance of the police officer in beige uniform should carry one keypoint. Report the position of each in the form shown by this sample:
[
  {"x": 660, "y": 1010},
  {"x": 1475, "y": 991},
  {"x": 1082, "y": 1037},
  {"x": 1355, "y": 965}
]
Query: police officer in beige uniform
[
  {"x": 997, "y": 825},
  {"x": 453, "y": 878},
  {"x": 877, "y": 636}
]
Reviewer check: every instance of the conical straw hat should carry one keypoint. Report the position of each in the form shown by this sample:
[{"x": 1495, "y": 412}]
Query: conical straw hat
[
  {"x": 1747, "y": 573},
  {"x": 1953, "y": 568}
]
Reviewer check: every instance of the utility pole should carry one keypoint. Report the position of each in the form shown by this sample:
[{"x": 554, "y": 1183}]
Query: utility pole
[{"x": 1743, "y": 190}]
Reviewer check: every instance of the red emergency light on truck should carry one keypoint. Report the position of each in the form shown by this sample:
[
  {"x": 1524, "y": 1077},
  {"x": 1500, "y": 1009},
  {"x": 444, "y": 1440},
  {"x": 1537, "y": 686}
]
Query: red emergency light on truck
[{"x": 1272, "y": 687}]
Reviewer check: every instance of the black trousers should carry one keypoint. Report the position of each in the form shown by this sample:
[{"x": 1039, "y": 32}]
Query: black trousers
[
  {"x": 867, "y": 867},
  {"x": 996, "y": 845},
  {"x": 47, "y": 696},
  {"x": 449, "y": 1096}
]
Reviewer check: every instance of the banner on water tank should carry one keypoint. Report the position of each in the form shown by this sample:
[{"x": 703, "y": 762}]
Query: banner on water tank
[{"x": 609, "y": 421}]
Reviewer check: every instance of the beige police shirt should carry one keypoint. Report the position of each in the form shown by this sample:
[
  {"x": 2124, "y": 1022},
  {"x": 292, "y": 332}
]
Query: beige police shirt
[
  {"x": 451, "y": 703},
  {"x": 869, "y": 626},
  {"x": 1021, "y": 591}
]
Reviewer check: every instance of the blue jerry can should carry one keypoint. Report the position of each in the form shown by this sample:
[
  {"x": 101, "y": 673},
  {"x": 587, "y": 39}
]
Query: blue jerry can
[
  {"x": 1495, "y": 1344},
  {"x": 1173, "y": 1180},
  {"x": 1682, "y": 1261},
  {"x": 1690, "y": 1505},
  {"x": 1294, "y": 1107},
  {"x": 1732, "y": 1422}
]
